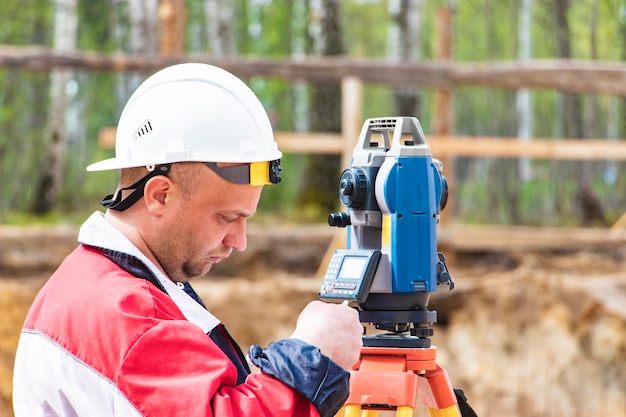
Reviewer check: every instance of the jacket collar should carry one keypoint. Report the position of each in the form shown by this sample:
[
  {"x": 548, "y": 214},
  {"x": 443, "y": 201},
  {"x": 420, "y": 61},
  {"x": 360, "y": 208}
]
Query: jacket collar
[{"x": 98, "y": 232}]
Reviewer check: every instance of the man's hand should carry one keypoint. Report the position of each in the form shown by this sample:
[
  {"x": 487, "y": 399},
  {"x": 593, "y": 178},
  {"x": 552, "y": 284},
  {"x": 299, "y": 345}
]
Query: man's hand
[{"x": 335, "y": 329}]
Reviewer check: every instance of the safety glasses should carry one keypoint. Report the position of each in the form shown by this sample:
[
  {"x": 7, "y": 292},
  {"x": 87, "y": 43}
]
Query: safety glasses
[{"x": 255, "y": 173}]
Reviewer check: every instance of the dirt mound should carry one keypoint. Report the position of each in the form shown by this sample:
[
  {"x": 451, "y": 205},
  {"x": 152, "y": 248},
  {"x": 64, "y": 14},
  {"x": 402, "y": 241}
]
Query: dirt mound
[
  {"x": 538, "y": 340},
  {"x": 524, "y": 334},
  {"x": 16, "y": 295}
]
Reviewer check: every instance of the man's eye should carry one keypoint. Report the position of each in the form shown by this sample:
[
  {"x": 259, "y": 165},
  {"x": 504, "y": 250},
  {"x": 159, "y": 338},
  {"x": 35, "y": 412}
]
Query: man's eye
[{"x": 228, "y": 219}]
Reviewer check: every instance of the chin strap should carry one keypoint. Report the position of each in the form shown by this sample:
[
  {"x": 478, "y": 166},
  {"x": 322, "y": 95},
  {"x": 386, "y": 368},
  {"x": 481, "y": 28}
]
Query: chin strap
[{"x": 120, "y": 204}]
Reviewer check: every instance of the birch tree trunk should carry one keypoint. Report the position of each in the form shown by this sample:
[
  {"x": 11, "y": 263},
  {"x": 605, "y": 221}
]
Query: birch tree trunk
[
  {"x": 617, "y": 109},
  {"x": 565, "y": 105},
  {"x": 523, "y": 103},
  {"x": 220, "y": 15},
  {"x": 587, "y": 202},
  {"x": 622, "y": 32},
  {"x": 144, "y": 39},
  {"x": 591, "y": 206},
  {"x": 320, "y": 181},
  {"x": 590, "y": 99},
  {"x": 572, "y": 106},
  {"x": 52, "y": 168},
  {"x": 119, "y": 28},
  {"x": 143, "y": 26},
  {"x": 404, "y": 41},
  {"x": 298, "y": 50},
  {"x": 504, "y": 195},
  {"x": 134, "y": 26}
]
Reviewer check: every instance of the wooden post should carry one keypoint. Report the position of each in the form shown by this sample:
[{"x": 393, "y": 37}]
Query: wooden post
[
  {"x": 172, "y": 19},
  {"x": 351, "y": 98}
]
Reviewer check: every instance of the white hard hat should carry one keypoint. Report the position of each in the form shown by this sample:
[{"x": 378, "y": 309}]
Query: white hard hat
[{"x": 191, "y": 112}]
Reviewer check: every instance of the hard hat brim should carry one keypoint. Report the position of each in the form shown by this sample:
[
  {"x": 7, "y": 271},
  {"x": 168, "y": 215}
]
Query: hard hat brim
[
  {"x": 117, "y": 163},
  {"x": 108, "y": 164}
]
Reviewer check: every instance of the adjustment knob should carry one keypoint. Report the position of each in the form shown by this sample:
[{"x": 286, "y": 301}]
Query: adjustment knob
[{"x": 339, "y": 219}]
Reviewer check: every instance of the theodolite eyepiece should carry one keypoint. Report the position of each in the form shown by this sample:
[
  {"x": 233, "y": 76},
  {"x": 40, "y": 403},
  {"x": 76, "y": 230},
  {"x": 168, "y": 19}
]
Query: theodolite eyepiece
[{"x": 338, "y": 219}]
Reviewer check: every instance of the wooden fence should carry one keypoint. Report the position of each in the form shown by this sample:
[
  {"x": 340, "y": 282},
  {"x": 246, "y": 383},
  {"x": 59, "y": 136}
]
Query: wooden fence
[
  {"x": 442, "y": 75},
  {"x": 441, "y": 146},
  {"x": 454, "y": 236}
]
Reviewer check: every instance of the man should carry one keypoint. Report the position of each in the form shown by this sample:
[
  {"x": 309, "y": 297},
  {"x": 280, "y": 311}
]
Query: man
[{"x": 118, "y": 330}]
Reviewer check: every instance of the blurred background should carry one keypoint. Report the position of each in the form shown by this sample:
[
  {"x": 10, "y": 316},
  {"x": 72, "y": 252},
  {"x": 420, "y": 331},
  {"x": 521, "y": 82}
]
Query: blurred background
[{"x": 524, "y": 102}]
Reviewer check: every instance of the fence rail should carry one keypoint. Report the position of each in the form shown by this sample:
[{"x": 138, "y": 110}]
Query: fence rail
[
  {"x": 472, "y": 146},
  {"x": 449, "y": 146}
]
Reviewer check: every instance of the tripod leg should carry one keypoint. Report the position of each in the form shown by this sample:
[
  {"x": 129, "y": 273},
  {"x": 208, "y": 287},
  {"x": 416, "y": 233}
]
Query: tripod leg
[
  {"x": 438, "y": 395},
  {"x": 452, "y": 411},
  {"x": 353, "y": 410},
  {"x": 404, "y": 411}
]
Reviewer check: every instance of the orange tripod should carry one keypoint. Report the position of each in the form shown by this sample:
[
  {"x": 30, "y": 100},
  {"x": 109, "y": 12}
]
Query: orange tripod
[{"x": 389, "y": 378}]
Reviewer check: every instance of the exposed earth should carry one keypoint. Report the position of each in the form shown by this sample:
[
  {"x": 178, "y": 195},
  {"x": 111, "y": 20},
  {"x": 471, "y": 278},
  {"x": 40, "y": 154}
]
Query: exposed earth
[{"x": 523, "y": 334}]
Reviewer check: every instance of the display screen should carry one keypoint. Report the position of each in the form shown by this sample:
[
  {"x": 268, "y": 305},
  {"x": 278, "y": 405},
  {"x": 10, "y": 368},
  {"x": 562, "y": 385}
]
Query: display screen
[{"x": 352, "y": 267}]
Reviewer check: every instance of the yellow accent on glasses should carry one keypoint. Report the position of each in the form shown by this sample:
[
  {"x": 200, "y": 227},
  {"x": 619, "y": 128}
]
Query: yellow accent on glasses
[{"x": 254, "y": 173}]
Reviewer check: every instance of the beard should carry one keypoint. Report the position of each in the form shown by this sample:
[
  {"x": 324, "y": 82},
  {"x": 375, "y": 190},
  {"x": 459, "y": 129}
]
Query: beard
[
  {"x": 192, "y": 269},
  {"x": 179, "y": 256}
]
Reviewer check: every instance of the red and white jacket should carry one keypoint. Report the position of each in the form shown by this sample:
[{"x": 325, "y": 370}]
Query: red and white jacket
[{"x": 110, "y": 335}]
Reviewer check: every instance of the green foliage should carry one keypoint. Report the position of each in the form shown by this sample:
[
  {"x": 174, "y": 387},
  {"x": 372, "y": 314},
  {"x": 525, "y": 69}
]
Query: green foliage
[
  {"x": 22, "y": 104},
  {"x": 26, "y": 22},
  {"x": 55, "y": 217},
  {"x": 196, "y": 34},
  {"x": 21, "y": 136},
  {"x": 271, "y": 42},
  {"x": 487, "y": 190},
  {"x": 487, "y": 29},
  {"x": 242, "y": 27},
  {"x": 94, "y": 25},
  {"x": 365, "y": 28},
  {"x": 278, "y": 199}
]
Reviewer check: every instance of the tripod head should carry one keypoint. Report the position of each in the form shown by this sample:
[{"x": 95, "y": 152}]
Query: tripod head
[{"x": 394, "y": 192}]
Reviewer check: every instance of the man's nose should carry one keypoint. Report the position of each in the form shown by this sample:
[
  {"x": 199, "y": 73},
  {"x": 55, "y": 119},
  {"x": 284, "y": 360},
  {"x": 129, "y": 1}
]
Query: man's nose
[{"x": 236, "y": 237}]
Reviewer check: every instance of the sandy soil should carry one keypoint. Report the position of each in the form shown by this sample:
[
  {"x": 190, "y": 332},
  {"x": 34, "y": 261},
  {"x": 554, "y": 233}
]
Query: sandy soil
[{"x": 525, "y": 334}]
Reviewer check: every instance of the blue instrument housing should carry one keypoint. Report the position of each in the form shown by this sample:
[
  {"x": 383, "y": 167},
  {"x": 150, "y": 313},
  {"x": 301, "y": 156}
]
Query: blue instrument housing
[{"x": 412, "y": 192}]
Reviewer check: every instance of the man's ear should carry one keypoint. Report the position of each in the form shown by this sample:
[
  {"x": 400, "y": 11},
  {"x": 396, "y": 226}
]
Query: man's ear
[{"x": 157, "y": 193}]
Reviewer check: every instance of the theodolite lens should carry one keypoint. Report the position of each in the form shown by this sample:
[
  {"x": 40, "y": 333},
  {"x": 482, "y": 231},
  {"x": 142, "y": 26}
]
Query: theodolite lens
[
  {"x": 345, "y": 186},
  {"x": 353, "y": 187}
]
